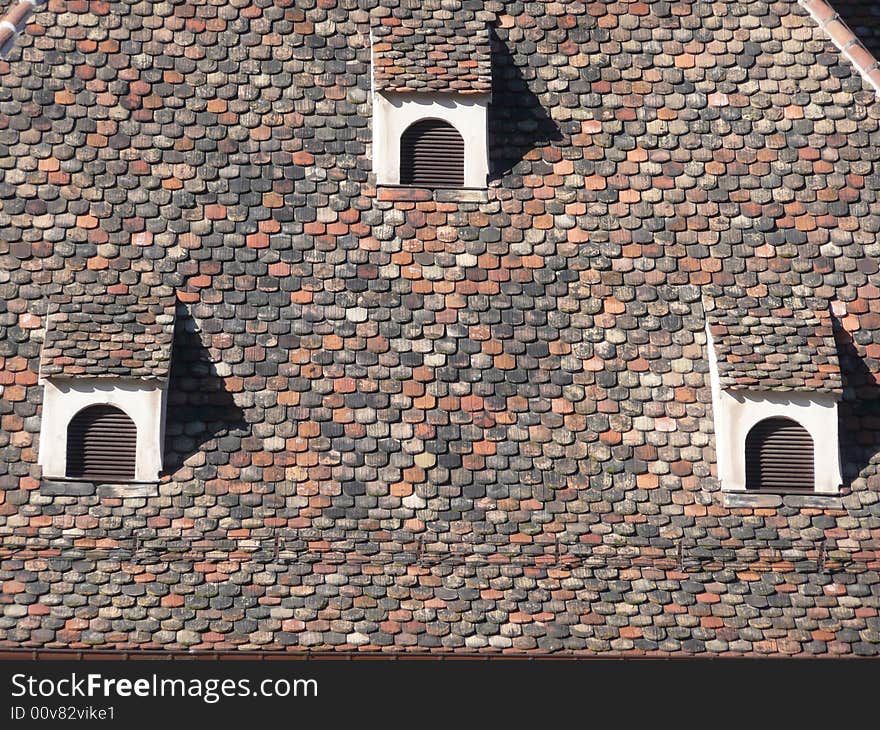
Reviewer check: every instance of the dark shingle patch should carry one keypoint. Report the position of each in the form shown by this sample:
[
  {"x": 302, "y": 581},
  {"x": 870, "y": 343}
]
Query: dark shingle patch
[{"x": 97, "y": 334}]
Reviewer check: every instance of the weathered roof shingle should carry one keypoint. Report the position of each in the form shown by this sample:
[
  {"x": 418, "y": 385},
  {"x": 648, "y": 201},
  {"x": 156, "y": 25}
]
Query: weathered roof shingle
[
  {"x": 105, "y": 335},
  {"x": 783, "y": 349},
  {"x": 431, "y": 48}
]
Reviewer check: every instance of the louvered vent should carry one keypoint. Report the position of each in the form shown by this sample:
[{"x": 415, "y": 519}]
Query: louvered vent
[
  {"x": 779, "y": 456},
  {"x": 432, "y": 155},
  {"x": 101, "y": 445}
]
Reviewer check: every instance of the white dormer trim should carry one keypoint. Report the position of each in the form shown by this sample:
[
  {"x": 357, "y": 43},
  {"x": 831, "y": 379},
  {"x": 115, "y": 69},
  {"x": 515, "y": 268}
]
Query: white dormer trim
[
  {"x": 143, "y": 401},
  {"x": 393, "y": 113}
]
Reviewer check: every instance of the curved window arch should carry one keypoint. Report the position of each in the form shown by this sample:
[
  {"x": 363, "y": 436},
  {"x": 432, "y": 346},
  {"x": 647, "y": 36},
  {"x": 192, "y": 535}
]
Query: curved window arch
[
  {"x": 101, "y": 445},
  {"x": 432, "y": 155},
  {"x": 779, "y": 455}
]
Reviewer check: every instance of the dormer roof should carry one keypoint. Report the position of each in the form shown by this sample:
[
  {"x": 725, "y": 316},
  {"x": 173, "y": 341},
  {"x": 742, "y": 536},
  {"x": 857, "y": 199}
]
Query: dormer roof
[
  {"x": 779, "y": 348},
  {"x": 94, "y": 333},
  {"x": 431, "y": 48}
]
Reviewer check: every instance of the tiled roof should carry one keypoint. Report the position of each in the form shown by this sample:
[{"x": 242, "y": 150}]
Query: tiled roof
[
  {"x": 104, "y": 335},
  {"x": 446, "y": 425},
  {"x": 786, "y": 348},
  {"x": 432, "y": 47}
]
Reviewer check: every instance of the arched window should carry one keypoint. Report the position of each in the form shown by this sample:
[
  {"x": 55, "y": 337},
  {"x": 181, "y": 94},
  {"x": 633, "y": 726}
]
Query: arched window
[
  {"x": 779, "y": 455},
  {"x": 101, "y": 445},
  {"x": 432, "y": 155}
]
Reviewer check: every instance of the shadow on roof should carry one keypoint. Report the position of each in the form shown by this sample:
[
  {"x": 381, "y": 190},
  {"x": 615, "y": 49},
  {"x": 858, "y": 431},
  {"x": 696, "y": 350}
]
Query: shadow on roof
[
  {"x": 859, "y": 410},
  {"x": 518, "y": 123},
  {"x": 200, "y": 409}
]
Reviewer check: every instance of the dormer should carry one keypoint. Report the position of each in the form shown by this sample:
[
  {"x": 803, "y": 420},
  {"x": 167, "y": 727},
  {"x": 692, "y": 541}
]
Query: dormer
[
  {"x": 432, "y": 85},
  {"x": 776, "y": 385},
  {"x": 104, "y": 367}
]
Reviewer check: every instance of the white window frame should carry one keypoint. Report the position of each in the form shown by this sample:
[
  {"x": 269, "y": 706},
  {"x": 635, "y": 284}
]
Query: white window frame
[
  {"x": 394, "y": 113},
  {"x": 141, "y": 400}
]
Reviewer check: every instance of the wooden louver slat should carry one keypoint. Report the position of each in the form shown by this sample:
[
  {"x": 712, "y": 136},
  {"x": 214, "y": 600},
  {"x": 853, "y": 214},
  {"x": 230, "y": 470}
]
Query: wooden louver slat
[
  {"x": 779, "y": 456},
  {"x": 432, "y": 155},
  {"x": 101, "y": 445}
]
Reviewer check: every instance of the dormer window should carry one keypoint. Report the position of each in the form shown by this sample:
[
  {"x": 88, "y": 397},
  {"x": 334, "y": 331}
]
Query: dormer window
[
  {"x": 431, "y": 89},
  {"x": 776, "y": 384},
  {"x": 104, "y": 366},
  {"x": 779, "y": 456},
  {"x": 432, "y": 155},
  {"x": 101, "y": 445}
]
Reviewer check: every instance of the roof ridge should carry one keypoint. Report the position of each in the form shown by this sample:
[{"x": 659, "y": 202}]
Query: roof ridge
[
  {"x": 14, "y": 22},
  {"x": 830, "y": 21}
]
